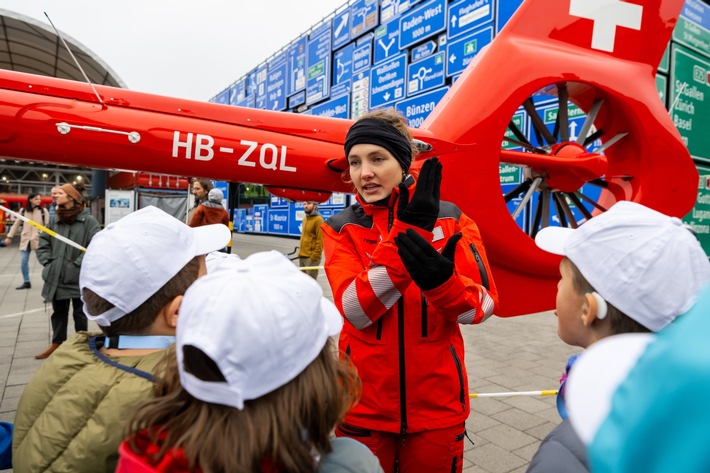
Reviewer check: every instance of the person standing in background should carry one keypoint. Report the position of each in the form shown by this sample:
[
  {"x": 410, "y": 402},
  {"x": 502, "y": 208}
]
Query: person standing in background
[
  {"x": 200, "y": 190},
  {"x": 62, "y": 263},
  {"x": 210, "y": 211},
  {"x": 311, "y": 245},
  {"x": 53, "y": 207},
  {"x": 29, "y": 237}
]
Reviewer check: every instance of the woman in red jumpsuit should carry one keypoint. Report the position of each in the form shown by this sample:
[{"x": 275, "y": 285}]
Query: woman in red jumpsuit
[{"x": 405, "y": 270}]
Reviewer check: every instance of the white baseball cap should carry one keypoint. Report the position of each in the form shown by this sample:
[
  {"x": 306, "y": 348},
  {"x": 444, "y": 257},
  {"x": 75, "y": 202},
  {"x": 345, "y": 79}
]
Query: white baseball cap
[
  {"x": 640, "y": 401},
  {"x": 130, "y": 260},
  {"x": 261, "y": 320},
  {"x": 645, "y": 263}
]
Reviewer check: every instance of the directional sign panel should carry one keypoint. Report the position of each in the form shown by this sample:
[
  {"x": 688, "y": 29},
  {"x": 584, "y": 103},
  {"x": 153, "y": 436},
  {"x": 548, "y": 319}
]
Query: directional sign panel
[
  {"x": 662, "y": 86},
  {"x": 693, "y": 27},
  {"x": 386, "y": 41},
  {"x": 387, "y": 81},
  {"x": 297, "y": 65},
  {"x": 690, "y": 94},
  {"x": 222, "y": 97},
  {"x": 416, "y": 109},
  {"x": 467, "y": 15},
  {"x": 426, "y": 74},
  {"x": 335, "y": 108},
  {"x": 297, "y": 99},
  {"x": 261, "y": 76},
  {"x": 341, "y": 28},
  {"x": 699, "y": 217},
  {"x": 364, "y": 17},
  {"x": 276, "y": 87},
  {"x": 343, "y": 64},
  {"x": 421, "y": 23},
  {"x": 277, "y": 202},
  {"x": 362, "y": 56},
  {"x": 360, "y": 94},
  {"x": 278, "y": 222},
  {"x": 460, "y": 53},
  {"x": 233, "y": 92},
  {"x": 423, "y": 50},
  {"x": 318, "y": 68}
]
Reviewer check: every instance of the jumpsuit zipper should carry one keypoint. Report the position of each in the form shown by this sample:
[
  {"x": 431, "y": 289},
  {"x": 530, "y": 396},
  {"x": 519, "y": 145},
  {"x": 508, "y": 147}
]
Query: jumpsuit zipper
[{"x": 481, "y": 267}]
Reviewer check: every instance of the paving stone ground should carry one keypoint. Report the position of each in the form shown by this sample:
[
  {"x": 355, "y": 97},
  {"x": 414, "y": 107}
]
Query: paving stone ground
[{"x": 502, "y": 355}]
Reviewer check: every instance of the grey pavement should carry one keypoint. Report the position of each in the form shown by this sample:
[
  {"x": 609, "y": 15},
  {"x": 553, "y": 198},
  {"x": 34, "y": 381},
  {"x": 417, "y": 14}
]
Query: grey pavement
[{"x": 502, "y": 355}]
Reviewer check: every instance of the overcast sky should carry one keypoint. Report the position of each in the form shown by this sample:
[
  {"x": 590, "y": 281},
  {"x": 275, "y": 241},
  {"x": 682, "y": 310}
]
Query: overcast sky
[{"x": 180, "y": 48}]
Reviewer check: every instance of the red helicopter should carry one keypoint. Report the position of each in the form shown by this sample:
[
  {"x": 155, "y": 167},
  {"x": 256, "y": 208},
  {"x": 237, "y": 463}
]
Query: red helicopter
[{"x": 599, "y": 56}]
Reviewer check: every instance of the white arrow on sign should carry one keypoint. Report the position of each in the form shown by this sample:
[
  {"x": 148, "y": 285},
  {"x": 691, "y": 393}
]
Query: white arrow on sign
[
  {"x": 386, "y": 47},
  {"x": 386, "y": 96},
  {"x": 453, "y": 21},
  {"x": 341, "y": 25},
  {"x": 452, "y": 59}
]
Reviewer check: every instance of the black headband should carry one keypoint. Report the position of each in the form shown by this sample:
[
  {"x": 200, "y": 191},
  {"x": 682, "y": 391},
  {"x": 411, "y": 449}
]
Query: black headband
[{"x": 377, "y": 132}]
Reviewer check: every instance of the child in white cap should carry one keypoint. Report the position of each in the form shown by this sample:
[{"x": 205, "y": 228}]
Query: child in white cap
[
  {"x": 72, "y": 413},
  {"x": 630, "y": 269},
  {"x": 256, "y": 384}
]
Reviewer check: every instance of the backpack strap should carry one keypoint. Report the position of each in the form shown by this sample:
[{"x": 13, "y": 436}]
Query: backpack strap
[{"x": 128, "y": 369}]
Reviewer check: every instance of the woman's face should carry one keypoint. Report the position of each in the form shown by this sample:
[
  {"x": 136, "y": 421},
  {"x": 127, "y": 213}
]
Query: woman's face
[
  {"x": 63, "y": 199},
  {"x": 374, "y": 171},
  {"x": 36, "y": 200}
]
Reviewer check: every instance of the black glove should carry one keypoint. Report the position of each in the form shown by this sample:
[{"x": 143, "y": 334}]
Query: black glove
[
  {"x": 423, "y": 210},
  {"x": 425, "y": 265}
]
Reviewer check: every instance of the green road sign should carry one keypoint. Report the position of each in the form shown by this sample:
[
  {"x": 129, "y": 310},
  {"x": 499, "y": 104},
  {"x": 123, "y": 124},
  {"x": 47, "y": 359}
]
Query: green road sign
[
  {"x": 699, "y": 217},
  {"x": 662, "y": 86},
  {"x": 663, "y": 66},
  {"x": 690, "y": 99},
  {"x": 689, "y": 31},
  {"x": 510, "y": 174}
]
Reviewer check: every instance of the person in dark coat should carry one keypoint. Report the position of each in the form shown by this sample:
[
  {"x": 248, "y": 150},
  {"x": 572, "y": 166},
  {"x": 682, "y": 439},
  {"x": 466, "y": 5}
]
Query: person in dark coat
[{"x": 62, "y": 263}]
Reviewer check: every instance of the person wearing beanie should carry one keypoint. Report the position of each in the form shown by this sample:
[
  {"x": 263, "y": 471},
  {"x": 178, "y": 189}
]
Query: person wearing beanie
[
  {"x": 311, "y": 244},
  {"x": 211, "y": 211},
  {"x": 405, "y": 270},
  {"x": 72, "y": 413},
  {"x": 62, "y": 263}
]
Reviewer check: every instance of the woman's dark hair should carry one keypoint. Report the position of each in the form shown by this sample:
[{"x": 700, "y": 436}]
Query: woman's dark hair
[{"x": 28, "y": 206}]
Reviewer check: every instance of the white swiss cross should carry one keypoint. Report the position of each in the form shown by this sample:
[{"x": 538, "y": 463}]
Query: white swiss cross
[{"x": 607, "y": 15}]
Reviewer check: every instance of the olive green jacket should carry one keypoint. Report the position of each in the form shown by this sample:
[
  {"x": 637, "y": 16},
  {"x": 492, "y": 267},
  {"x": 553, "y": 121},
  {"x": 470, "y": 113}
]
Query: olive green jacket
[
  {"x": 62, "y": 262},
  {"x": 72, "y": 414}
]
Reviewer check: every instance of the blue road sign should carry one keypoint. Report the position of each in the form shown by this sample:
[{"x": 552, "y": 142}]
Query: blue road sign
[
  {"x": 460, "y": 53},
  {"x": 297, "y": 65},
  {"x": 343, "y": 64},
  {"x": 387, "y": 81},
  {"x": 364, "y": 17},
  {"x": 341, "y": 28},
  {"x": 249, "y": 102},
  {"x": 423, "y": 50},
  {"x": 426, "y": 74},
  {"x": 416, "y": 109},
  {"x": 334, "y": 108},
  {"x": 261, "y": 215},
  {"x": 505, "y": 10},
  {"x": 362, "y": 56},
  {"x": 318, "y": 68},
  {"x": 251, "y": 83},
  {"x": 360, "y": 94},
  {"x": 278, "y": 222},
  {"x": 239, "y": 219},
  {"x": 262, "y": 73},
  {"x": 233, "y": 93},
  {"x": 296, "y": 100},
  {"x": 276, "y": 87},
  {"x": 340, "y": 89},
  {"x": 386, "y": 41},
  {"x": 222, "y": 97},
  {"x": 278, "y": 202},
  {"x": 466, "y": 15},
  {"x": 421, "y": 23}
]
